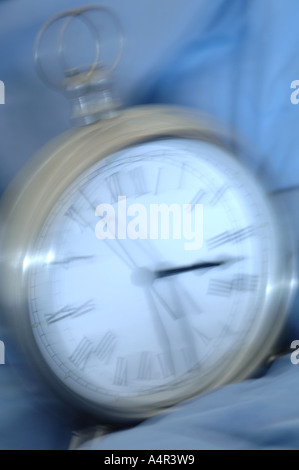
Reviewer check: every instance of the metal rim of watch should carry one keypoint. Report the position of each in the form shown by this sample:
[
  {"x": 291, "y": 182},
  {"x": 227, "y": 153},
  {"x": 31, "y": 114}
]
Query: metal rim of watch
[{"x": 46, "y": 177}]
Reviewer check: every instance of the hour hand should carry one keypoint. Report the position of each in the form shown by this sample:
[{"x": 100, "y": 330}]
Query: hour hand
[
  {"x": 160, "y": 273},
  {"x": 201, "y": 265},
  {"x": 144, "y": 276}
]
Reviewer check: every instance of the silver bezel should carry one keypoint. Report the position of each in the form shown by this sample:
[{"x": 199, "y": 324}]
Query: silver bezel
[{"x": 28, "y": 201}]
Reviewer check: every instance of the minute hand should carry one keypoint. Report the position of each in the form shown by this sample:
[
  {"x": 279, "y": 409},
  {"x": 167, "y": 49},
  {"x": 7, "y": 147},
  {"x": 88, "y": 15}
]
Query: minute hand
[{"x": 160, "y": 273}]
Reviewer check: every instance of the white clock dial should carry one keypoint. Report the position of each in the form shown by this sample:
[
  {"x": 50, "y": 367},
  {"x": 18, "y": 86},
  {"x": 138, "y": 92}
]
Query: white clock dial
[{"x": 135, "y": 321}]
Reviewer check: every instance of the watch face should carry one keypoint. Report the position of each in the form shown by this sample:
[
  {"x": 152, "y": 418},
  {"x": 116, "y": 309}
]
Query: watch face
[{"x": 150, "y": 278}]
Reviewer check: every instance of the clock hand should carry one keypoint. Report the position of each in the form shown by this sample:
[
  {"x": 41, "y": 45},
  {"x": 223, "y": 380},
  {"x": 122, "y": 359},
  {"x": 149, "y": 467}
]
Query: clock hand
[
  {"x": 144, "y": 276},
  {"x": 160, "y": 273},
  {"x": 122, "y": 252},
  {"x": 162, "y": 335},
  {"x": 172, "y": 304},
  {"x": 114, "y": 243}
]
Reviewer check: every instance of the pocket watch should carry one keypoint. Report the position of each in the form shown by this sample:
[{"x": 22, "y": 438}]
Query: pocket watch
[{"x": 142, "y": 263}]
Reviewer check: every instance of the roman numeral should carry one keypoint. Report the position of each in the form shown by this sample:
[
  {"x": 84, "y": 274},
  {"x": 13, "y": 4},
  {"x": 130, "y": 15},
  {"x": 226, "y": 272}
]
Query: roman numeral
[
  {"x": 220, "y": 287},
  {"x": 113, "y": 184},
  {"x": 158, "y": 181},
  {"x": 121, "y": 372},
  {"x": 102, "y": 351},
  {"x": 245, "y": 282},
  {"x": 197, "y": 198},
  {"x": 65, "y": 263},
  {"x": 145, "y": 366},
  {"x": 69, "y": 311},
  {"x": 139, "y": 183},
  {"x": 224, "y": 288},
  {"x": 230, "y": 237},
  {"x": 218, "y": 195},
  {"x": 180, "y": 185},
  {"x": 74, "y": 215},
  {"x": 91, "y": 205},
  {"x": 82, "y": 353},
  {"x": 106, "y": 346},
  {"x": 166, "y": 365}
]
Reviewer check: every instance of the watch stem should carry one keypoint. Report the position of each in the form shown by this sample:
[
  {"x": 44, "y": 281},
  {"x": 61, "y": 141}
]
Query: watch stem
[{"x": 91, "y": 95}]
